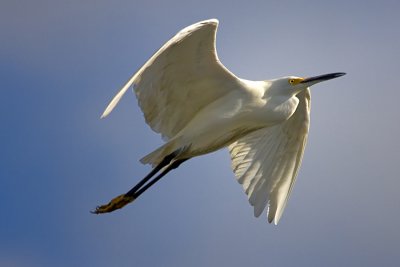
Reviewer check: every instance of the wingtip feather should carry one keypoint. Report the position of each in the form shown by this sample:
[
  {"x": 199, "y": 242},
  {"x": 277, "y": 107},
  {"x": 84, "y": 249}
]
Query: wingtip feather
[
  {"x": 212, "y": 21},
  {"x": 118, "y": 97},
  {"x": 273, "y": 219},
  {"x": 109, "y": 108},
  {"x": 104, "y": 115}
]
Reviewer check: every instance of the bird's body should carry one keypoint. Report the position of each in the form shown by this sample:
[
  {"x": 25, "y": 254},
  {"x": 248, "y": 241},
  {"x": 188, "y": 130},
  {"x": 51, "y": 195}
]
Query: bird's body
[
  {"x": 199, "y": 106},
  {"x": 249, "y": 106}
]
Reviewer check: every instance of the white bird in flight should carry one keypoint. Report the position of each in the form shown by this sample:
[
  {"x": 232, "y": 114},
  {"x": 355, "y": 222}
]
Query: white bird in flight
[{"x": 199, "y": 106}]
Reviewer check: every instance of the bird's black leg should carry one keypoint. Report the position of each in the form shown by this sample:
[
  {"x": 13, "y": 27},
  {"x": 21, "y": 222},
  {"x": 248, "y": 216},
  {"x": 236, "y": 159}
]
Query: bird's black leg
[
  {"x": 156, "y": 169},
  {"x": 136, "y": 193},
  {"x": 121, "y": 200}
]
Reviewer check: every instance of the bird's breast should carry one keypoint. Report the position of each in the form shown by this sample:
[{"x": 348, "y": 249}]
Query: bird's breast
[{"x": 230, "y": 118}]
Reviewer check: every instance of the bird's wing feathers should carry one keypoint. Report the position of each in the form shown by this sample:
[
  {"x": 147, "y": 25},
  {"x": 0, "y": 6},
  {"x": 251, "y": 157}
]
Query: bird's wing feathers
[
  {"x": 182, "y": 77},
  {"x": 266, "y": 161}
]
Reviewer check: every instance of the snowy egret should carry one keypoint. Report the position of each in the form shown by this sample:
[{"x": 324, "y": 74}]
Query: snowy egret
[{"x": 199, "y": 106}]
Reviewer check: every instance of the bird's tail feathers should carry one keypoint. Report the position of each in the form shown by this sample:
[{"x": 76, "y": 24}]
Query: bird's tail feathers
[{"x": 155, "y": 157}]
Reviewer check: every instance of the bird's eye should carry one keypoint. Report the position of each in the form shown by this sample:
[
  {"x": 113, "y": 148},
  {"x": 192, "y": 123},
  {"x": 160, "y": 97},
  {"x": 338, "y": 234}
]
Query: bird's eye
[{"x": 295, "y": 81}]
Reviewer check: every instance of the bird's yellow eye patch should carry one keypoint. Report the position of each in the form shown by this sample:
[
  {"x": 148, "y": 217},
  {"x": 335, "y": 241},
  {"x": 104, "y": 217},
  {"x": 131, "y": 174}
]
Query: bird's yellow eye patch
[{"x": 295, "y": 81}]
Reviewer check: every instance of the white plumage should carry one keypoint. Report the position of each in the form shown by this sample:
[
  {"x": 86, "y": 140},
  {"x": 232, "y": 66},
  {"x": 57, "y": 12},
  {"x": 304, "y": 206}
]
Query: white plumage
[
  {"x": 199, "y": 106},
  {"x": 266, "y": 161},
  {"x": 174, "y": 84}
]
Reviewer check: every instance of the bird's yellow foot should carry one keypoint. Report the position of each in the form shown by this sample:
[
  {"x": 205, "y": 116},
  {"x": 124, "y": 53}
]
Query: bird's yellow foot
[{"x": 116, "y": 203}]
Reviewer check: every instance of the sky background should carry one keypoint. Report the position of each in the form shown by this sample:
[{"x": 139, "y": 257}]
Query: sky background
[{"x": 62, "y": 62}]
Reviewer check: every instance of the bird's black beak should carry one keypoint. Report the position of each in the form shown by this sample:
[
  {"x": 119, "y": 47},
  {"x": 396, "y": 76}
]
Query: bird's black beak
[{"x": 321, "y": 78}]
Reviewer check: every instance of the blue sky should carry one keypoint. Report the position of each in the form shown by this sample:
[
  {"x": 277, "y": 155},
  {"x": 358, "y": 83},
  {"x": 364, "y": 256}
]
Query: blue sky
[{"x": 61, "y": 63}]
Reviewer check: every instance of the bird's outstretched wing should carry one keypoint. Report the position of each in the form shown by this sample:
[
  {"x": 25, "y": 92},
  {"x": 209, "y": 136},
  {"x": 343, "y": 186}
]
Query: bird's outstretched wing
[
  {"x": 266, "y": 161},
  {"x": 182, "y": 77}
]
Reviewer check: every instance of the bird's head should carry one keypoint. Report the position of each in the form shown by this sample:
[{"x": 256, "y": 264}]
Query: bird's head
[{"x": 293, "y": 85}]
